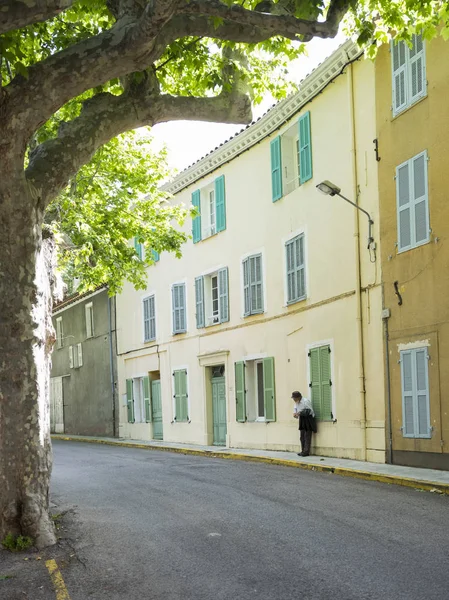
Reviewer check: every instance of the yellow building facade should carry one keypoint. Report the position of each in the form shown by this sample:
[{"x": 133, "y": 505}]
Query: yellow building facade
[
  {"x": 412, "y": 90},
  {"x": 275, "y": 292}
]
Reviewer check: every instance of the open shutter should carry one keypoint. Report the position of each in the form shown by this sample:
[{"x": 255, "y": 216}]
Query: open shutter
[
  {"x": 155, "y": 255},
  {"x": 408, "y": 409},
  {"x": 417, "y": 74},
  {"x": 305, "y": 148},
  {"x": 404, "y": 207},
  {"x": 152, "y": 317},
  {"x": 182, "y": 307},
  {"x": 146, "y": 319},
  {"x": 71, "y": 357},
  {"x": 175, "y": 311},
  {"x": 276, "y": 168},
  {"x": 315, "y": 382},
  {"x": 80, "y": 355},
  {"x": 220, "y": 203},
  {"x": 181, "y": 396},
  {"x": 399, "y": 76},
  {"x": 326, "y": 383},
  {"x": 146, "y": 398},
  {"x": 256, "y": 284},
  {"x": 246, "y": 291},
  {"x": 269, "y": 389},
  {"x": 130, "y": 400},
  {"x": 199, "y": 301},
  {"x": 138, "y": 248},
  {"x": 223, "y": 294},
  {"x": 420, "y": 232},
  {"x": 196, "y": 222},
  {"x": 240, "y": 392},
  {"x": 88, "y": 316}
]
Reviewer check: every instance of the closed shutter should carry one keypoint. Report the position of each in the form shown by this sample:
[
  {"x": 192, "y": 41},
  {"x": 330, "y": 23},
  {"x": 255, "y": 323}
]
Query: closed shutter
[
  {"x": 422, "y": 394},
  {"x": 269, "y": 389},
  {"x": 152, "y": 317},
  {"x": 146, "y": 320},
  {"x": 179, "y": 308},
  {"x": 315, "y": 382},
  {"x": 88, "y": 312},
  {"x": 407, "y": 395},
  {"x": 71, "y": 364},
  {"x": 240, "y": 392},
  {"x": 130, "y": 400},
  {"x": 246, "y": 291},
  {"x": 276, "y": 169},
  {"x": 256, "y": 284},
  {"x": 415, "y": 394},
  {"x": 420, "y": 199},
  {"x": 220, "y": 203},
  {"x": 196, "y": 222},
  {"x": 399, "y": 76},
  {"x": 296, "y": 288},
  {"x": 199, "y": 301},
  {"x": 326, "y": 383},
  {"x": 417, "y": 75},
  {"x": 404, "y": 208},
  {"x": 80, "y": 355},
  {"x": 412, "y": 202},
  {"x": 59, "y": 333},
  {"x": 305, "y": 148},
  {"x": 181, "y": 395},
  {"x": 223, "y": 287},
  {"x": 146, "y": 398}
]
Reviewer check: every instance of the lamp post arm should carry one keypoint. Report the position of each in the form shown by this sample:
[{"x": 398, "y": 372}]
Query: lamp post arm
[{"x": 370, "y": 221}]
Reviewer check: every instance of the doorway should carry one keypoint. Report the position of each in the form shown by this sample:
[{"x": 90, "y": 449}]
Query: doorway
[
  {"x": 56, "y": 406},
  {"x": 156, "y": 407},
  {"x": 219, "y": 406}
]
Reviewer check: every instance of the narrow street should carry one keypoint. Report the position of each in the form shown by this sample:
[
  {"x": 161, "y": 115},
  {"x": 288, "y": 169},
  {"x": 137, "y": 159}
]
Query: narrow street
[{"x": 152, "y": 525}]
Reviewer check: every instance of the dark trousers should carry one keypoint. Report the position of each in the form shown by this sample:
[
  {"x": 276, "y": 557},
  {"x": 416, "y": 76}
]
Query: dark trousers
[{"x": 306, "y": 440}]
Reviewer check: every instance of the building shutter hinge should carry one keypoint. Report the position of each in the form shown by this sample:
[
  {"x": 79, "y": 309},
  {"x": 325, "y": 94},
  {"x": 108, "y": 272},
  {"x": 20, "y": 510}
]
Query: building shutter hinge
[
  {"x": 330, "y": 381},
  {"x": 310, "y": 384},
  {"x": 329, "y": 349},
  {"x": 309, "y": 354}
]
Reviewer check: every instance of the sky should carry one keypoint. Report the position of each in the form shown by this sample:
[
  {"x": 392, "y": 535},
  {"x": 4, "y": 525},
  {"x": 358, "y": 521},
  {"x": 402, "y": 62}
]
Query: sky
[{"x": 188, "y": 141}]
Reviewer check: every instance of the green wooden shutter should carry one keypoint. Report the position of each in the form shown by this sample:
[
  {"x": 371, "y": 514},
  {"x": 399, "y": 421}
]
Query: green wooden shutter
[
  {"x": 269, "y": 389},
  {"x": 196, "y": 222},
  {"x": 147, "y": 399},
  {"x": 305, "y": 148},
  {"x": 276, "y": 169},
  {"x": 220, "y": 203},
  {"x": 223, "y": 294},
  {"x": 240, "y": 392},
  {"x": 326, "y": 383},
  {"x": 199, "y": 302},
  {"x": 130, "y": 400},
  {"x": 315, "y": 383},
  {"x": 181, "y": 396}
]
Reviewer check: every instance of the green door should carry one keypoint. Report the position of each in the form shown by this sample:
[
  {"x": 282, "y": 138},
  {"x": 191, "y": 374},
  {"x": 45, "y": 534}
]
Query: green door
[
  {"x": 219, "y": 410},
  {"x": 156, "y": 403}
]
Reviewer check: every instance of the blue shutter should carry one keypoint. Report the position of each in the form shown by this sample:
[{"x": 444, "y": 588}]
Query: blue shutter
[
  {"x": 246, "y": 292},
  {"x": 223, "y": 294},
  {"x": 220, "y": 203},
  {"x": 179, "y": 308},
  {"x": 155, "y": 255},
  {"x": 199, "y": 301},
  {"x": 276, "y": 169},
  {"x": 305, "y": 148},
  {"x": 196, "y": 222},
  {"x": 138, "y": 248}
]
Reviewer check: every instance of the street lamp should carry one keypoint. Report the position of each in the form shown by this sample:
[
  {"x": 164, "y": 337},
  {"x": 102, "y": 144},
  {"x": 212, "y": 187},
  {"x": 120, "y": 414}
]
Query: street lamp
[{"x": 330, "y": 189}]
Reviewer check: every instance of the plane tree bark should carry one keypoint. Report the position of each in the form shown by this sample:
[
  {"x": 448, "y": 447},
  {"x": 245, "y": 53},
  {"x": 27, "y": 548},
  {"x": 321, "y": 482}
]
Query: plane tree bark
[{"x": 140, "y": 35}]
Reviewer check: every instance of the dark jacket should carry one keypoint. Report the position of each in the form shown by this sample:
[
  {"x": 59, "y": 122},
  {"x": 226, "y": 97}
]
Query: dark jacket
[{"x": 307, "y": 421}]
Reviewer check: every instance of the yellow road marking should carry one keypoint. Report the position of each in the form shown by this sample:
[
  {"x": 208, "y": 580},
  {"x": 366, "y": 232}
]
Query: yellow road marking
[{"x": 57, "y": 580}]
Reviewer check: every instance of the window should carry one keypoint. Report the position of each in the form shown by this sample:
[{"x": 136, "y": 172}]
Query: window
[
  {"x": 89, "y": 312},
  {"x": 255, "y": 390},
  {"x": 180, "y": 395},
  {"x": 179, "y": 308},
  {"x": 149, "y": 319},
  {"x": 320, "y": 382},
  {"x": 408, "y": 72},
  {"x": 253, "y": 285},
  {"x": 296, "y": 280},
  {"x": 138, "y": 400},
  {"x": 59, "y": 333},
  {"x": 75, "y": 356},
  {"x": 212, "y": 298},
  {"x": 412, "y": 202},
  {"x": 415, "y": 393},
  {"x": 138, "y": 247},
  {"x": 291, "y": 158},
  {"x": 210, "y": 203}
]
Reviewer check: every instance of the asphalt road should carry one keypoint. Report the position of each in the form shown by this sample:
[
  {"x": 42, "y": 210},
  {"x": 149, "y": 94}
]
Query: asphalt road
[{"x": 152, "y": 525}]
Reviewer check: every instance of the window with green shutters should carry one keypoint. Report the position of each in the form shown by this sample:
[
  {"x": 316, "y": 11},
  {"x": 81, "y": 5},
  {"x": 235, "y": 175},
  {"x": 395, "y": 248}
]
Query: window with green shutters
[
  {"x": 415, "y": 393},
  {"x": 130, "y": 400},
  {"x": 196, "y": 222},
  {"x": 296, "y": 271},
  {"x": 412, "y": 201},
  {"x": 253, "y": 285},
  {"x": 212, "y": 298},
  {"x": 210, "y": 203},
  {"x": 255, "y": 390},
  {"x": 305, "y": 148},
  {"x": 276, "y": 168},
  {"x": 180, "y": 395},
  {"x": 408, "y": 66},
  {"x": 321, "y": 382},
  {"x": 147, "y": 398},
  {"x": 138, "y": 247}
]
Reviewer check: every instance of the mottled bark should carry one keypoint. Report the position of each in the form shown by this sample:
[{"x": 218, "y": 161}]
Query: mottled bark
[{"x": 26, "y": 339}]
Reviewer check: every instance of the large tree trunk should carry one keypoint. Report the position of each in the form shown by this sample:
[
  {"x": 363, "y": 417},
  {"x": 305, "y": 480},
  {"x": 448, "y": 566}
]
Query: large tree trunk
[{"x": 26, "y": 340}]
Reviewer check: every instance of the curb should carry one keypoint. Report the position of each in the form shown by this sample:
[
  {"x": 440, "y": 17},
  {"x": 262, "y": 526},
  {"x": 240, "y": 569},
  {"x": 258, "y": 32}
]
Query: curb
[{"x": 428, "y": 486}]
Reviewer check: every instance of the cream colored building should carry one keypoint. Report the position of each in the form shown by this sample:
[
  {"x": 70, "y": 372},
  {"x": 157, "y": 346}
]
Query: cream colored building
[{"x": 276, "y": 291}]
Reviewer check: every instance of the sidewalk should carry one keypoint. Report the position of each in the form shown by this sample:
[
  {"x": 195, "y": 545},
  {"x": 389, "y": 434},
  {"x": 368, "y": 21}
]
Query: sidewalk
[{"x": 423, "y": 479}]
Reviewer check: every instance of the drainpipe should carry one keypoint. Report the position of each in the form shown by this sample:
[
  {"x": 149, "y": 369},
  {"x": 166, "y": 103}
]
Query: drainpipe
[
  {"x": 111, "y": 364},
  {"x": 385, "y": 317},
  {"x": 359, "y": 317}
]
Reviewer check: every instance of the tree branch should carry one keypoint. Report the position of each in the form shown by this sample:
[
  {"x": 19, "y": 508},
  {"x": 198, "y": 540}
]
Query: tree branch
[
  {"x": 105, "y": 116},
  {"x": 15, "y": 14}
]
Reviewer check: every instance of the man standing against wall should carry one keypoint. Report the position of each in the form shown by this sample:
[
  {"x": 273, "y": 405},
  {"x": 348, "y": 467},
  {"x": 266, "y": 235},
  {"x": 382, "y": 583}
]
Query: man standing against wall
[{"x": 303, "y": 411}]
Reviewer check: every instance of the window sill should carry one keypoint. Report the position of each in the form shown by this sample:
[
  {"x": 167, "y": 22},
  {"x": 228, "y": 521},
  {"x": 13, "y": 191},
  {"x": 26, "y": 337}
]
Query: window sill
[
  {"x": 152, "y": 341},
  {"x": 409, "y": 106},
  {"x": 414, "y": 247},
  {"x": 179, "y": 332},
  {"x": 254, "y": 314},
  {"x": 293, "y": 302}
]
